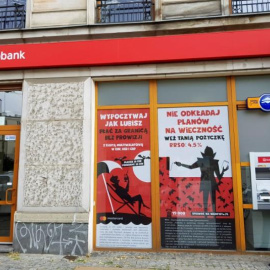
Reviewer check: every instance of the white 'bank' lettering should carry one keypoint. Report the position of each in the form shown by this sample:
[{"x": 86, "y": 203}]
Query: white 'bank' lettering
[{"x": 12, "y": 56}]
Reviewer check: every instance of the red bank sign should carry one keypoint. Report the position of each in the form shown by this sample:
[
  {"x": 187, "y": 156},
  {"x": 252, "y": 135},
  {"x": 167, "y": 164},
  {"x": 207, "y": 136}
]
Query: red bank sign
[
  {"x": 143, "y": 50},
  {"x": 263, "y": 159}
]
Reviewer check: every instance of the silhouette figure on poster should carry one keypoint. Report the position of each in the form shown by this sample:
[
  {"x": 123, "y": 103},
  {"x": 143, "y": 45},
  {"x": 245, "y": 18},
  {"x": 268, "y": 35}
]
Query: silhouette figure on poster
[
  {"x": 209, "y": 168},
  {"x": 123, "y": 192}
]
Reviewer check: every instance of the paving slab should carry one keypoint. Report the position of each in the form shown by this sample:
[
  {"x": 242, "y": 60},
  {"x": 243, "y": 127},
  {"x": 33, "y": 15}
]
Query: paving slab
[
  {"x": 6, "y": 248},
  {"x": 109, "y": 260},
  {"x": 102, "y": 268}
]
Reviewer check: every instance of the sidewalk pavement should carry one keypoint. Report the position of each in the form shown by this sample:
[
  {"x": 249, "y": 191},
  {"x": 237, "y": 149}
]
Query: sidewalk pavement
[{"x": 134, "y": 260}]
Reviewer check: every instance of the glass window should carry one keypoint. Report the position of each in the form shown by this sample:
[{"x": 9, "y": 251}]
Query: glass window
[
  {"x": 196, "y": 211},
  {"x": 11, "y": 2},
  {"x": 123, "y": 93},
  {"x": 7, "y": 156},
  {"x": 254, "y": 130},
  {"x": 5, "y": 217},
  {"x": 246, "y": 185},
  {"x": 111, "y": 11},
  {"x": 257, "y": 228},
  {"x": 250, "y": 6},
  {"x": 12, "y": 14},
  {"x": 123, "y": 205},
  {"x": 251, "y": 86},
  {"x": 192, "y": 90},
  {"x": 10, "y": 108}
]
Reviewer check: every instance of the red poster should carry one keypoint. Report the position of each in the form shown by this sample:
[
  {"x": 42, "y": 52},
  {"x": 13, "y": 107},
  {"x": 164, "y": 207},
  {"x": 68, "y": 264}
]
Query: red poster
[
  {"x": 124, "y": 179},
  {"x": 196, "y": 188}
]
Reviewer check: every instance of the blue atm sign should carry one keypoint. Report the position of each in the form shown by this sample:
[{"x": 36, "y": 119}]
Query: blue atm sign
[{"x": 265, "y": 102}]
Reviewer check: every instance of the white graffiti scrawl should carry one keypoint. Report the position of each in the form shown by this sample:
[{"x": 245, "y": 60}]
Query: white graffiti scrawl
[{"x": 52, "y": 238}]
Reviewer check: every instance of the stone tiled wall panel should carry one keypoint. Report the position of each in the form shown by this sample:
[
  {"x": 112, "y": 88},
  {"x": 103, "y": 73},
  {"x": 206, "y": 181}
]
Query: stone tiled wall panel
[
  {"x": 51, "y": 186},
  {"x": 54, "y": 145},
  {"x": 65, "y": 142},
  {"x": 54, "y": 142},
  {"x": 35, "y": 145},
  {"x": 55, "y": 101}
]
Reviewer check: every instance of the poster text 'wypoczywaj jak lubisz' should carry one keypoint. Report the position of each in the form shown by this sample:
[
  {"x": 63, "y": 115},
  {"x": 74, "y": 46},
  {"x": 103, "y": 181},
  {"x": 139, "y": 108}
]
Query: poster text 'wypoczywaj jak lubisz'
[{"x": 124, "y": 179}]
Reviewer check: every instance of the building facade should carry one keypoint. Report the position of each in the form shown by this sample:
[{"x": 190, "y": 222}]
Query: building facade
[{"x": 125, "y": 125}]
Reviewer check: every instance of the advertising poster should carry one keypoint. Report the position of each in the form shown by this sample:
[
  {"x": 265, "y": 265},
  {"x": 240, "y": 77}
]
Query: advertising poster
[
  {"x": 124, "y": 179},
  {"x": 196, "y": 189}
]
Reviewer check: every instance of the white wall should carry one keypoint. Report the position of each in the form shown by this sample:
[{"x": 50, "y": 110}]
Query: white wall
[
  {"x": 53, "y": 13},
  {"x": 173, "y": 9},
  {"x": 50, "y": 13}
]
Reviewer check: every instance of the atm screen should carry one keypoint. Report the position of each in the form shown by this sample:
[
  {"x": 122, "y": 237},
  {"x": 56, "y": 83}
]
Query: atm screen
[{"x": 262, "y": 173}]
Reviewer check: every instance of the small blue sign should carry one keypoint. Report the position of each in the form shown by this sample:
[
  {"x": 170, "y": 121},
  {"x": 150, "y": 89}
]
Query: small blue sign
[
  {"x": 10, "y": 137},
  {"x": 265, "y": 102}
]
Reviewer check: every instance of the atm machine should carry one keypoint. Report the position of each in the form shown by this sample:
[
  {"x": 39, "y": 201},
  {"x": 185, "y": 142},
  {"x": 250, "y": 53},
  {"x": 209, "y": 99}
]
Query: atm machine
[
  {"x": 260, "y": 180},
  {"x": 258, "y": 223}
]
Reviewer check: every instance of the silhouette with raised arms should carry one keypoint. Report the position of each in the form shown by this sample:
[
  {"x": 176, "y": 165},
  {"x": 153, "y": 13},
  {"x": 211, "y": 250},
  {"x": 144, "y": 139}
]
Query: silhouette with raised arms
[{"x": 209, "y": 171}]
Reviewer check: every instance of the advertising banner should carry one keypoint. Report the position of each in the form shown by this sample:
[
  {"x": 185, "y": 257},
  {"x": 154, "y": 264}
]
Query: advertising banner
[
  {"x": 196, "y": 189},
  {"x": 123, "y": 179}
]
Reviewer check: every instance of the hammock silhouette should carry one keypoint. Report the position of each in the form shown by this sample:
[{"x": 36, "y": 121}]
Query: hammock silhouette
[{"x": 120, "y": 200}]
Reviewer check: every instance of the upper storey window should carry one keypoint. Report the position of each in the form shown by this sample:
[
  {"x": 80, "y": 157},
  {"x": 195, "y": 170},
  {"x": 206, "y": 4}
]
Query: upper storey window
[
  {"x": 250, "y": 6},
  {"x": 12, "y": 14},
  {"x": 117, "y": 11}
]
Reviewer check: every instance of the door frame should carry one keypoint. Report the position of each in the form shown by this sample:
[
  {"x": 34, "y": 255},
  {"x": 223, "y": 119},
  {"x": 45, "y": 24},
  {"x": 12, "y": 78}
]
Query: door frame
[{"x": 12, "y": 130}]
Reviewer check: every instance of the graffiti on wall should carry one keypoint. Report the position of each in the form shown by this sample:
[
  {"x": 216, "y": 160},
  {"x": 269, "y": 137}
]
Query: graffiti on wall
[{"x": 52, "y": 238}]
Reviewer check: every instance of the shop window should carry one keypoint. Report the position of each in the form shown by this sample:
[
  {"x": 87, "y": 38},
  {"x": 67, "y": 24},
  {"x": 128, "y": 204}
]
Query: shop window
[
  {"x": 251, "y": 86},
  {"x": 252, "y": 127},
  {"x": 123, "y": 204},
  {"x": 123, "y": 93},
  {"x": 10, "y": 107},
  {"x": 250, "y": 6},
  {"x": 246, "y": 185},
  {"x": 109, "y": 11},
  {"x": 12, "y": 14},
  {"x": 196, "y": 188},
  {"x": 10, "y": 119},
  {"x": 253, "y": 132},
  {"x": 191, "y": 138},
  {"x": 257, "y": 229},
  {"x": 192, "y": 90}
]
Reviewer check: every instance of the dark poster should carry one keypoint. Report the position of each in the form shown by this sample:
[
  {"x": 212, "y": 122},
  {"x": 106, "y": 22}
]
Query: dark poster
[
  {"x": 196, "y": 190},
  {"x": 124, "y": 179}
]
